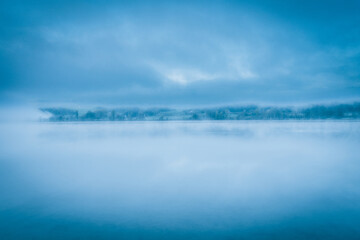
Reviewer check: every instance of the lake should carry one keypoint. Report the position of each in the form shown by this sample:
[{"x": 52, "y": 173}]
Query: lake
[{"x": 180, "y": 180}]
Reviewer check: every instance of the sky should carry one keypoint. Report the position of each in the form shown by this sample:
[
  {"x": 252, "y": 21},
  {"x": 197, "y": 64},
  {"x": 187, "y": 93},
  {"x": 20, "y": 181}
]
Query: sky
[{"x": 179, "y": 52}]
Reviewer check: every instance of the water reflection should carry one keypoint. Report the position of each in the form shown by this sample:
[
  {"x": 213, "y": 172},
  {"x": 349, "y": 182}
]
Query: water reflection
[{"x": 151, "y": 180}]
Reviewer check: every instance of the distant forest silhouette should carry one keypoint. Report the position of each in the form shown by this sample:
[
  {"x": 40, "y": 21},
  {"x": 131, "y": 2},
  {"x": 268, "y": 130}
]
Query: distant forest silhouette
[{"x": 250, "y": 112}]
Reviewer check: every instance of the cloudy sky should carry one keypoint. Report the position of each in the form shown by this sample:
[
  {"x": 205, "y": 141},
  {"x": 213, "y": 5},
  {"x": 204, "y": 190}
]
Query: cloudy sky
[{"x": 179, "y": 52}]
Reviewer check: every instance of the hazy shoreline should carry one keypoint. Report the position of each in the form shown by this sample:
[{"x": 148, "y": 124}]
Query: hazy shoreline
[{"x": 349, "y": 111}]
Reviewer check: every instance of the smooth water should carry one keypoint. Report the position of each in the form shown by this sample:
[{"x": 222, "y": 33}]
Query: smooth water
[{"x": 180, "y": 180}]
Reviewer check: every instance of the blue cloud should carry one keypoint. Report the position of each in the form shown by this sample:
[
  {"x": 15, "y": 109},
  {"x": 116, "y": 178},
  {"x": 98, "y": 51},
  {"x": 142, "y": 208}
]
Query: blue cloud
[{"x": 179, "y": 53}]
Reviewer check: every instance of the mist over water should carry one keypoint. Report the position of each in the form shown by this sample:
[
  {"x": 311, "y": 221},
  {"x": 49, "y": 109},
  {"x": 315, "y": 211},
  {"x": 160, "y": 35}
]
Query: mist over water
[
  {"x": 181, "y": 120},
  {"x": 180, "y": 180}
]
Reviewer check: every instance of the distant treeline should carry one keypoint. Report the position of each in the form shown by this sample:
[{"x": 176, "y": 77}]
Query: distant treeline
[{"x": 251, "y": 112}]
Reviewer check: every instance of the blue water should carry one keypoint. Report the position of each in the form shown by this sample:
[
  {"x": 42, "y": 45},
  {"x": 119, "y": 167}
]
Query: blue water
[{"x": 180, "y": 180}]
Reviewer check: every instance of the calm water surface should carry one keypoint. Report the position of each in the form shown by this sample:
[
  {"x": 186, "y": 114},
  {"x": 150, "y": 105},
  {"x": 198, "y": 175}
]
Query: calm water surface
[{"x": 180, "y": 180}]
